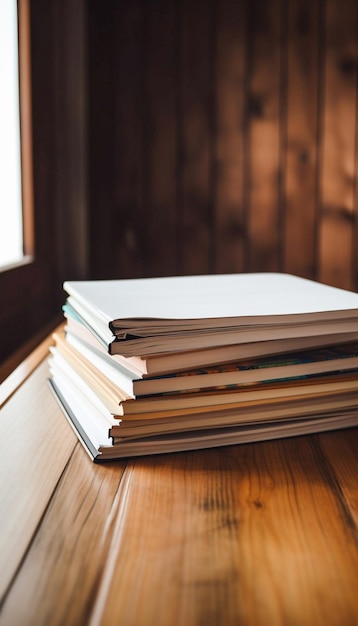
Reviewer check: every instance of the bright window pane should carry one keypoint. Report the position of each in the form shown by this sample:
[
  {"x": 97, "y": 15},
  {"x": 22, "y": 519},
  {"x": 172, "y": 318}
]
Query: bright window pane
[{"x": 11, "y": 239}]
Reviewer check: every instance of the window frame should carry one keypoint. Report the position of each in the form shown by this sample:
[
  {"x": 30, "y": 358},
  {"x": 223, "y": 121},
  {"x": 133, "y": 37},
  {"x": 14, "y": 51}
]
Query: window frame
[
  {"x": 53, "y": 131},
  {"x": 25, "y": 91}
]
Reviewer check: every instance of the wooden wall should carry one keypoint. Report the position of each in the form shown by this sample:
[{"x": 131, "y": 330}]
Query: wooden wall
[{"x": 223, "y": 137}]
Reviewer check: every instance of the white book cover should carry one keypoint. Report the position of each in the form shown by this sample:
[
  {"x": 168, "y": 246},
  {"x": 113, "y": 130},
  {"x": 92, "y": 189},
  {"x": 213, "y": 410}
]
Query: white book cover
[
  {"x": 142, "y": 317},
  {"x": 212, "y": 297}
]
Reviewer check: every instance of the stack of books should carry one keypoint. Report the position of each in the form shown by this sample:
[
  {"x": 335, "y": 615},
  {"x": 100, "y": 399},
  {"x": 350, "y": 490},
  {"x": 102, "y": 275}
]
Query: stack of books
[{"x": 156, "y": 365}]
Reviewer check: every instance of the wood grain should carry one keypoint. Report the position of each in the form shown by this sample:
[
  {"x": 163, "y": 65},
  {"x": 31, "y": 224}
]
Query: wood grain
[
  {"x": 341, "y": 453},
  {"x": 36, "y": 446},
  {"x": 26, "y": 127},
  {"x": 230, "y": 217},
  {"x": 229, "y": 141},
  {"x": 70, "y": 154},
  {"x": 339, "y": 147},
  {"x": 256, "y": 534},
  {"x": 161, "y": 62},
  {"x": 303, "y": 41},
  {"x": 103, "y": 221},
  {"x": 197, "y": 137},
  {"x": 69, "y": 549},
  {"x": 264, "y": 161},
  {"x": 130, "y": 195},
  {"x": 238, "y": 536}
]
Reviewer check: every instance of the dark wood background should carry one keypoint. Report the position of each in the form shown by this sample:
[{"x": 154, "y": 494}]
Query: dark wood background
[
  {"x": 188, "y": 136},
  {"x": 223, "y": 137}
]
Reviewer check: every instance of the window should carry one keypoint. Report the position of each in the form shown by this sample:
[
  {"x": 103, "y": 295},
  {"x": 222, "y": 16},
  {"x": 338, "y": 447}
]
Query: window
[
  {"x": 27, "y": 281},
  {"x": 51, "y": 38},
  {"x": 15, "y": 203},
  {"x": 11, "y": 239}
]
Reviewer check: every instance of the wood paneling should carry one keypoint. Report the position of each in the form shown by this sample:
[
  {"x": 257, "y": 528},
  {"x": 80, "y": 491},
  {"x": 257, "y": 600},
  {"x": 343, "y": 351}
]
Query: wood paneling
[
  {"x": 230, "y": 215},
  {"x": 160, "y": 131},
  {"x": 105, "y": 220},
  {"x": 263, "y": 121},
  {"x": 196, "y": 94},
  {"x": 129, "y": 187},
  {"x": 337, "y": 210},
  {"x": 302, "y": 98},
  {"x": 223, "y": 137},
  {"x": 179, "y": 137},
  {"x": 70, "y": 129}
]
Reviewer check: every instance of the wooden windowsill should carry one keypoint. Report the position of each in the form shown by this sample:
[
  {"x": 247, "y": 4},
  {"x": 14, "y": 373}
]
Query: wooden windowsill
[{"x": 18, "y": 360}]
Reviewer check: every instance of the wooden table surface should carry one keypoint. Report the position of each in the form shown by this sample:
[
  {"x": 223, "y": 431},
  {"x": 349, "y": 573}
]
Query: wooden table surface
[{"x": 254, "y": 534}]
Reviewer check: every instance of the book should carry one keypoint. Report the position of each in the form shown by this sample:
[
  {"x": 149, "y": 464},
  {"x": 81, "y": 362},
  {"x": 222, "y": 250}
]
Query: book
[
  {"x": 156, "y": 315},
  {"x": 151, "y": 366},
  {"x": 229, "y": 376},
  {"x": 87, "y": 423},
  {"x": 156, "y": 364},
  {"x": 63, "y": 366}
]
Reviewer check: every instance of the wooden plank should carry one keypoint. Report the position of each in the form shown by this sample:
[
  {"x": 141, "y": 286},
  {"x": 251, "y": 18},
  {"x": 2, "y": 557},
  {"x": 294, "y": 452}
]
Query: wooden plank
[
  {"x": 340, "y": 450},
  {"x": 161, "y": 53},
  {"x": 196, "y": 115},
  {"x": 27, "y": 177},
  {"x": 36, "y": 445},
  {"x": 230, "y": 219},
  {"x": 237, "y": 536},
  {"x": 71, "y": 139},
  {"x": 355, "y": 205},
  {"x": 58, "y": 577},
  {"x": 264, "y": 139},
  {"x": 130, "y": 245},
  {"x": 102, "y": 221},
  {"x": 338, "y": 147},
  {"x": 303, "y": 42}
]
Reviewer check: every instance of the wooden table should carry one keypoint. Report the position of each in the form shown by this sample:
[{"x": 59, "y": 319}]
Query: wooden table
[{"x": 254, "y": 534}]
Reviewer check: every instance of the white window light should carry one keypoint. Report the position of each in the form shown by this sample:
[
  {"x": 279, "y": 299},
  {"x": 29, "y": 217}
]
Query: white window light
[{"x": 11, "y": 226}]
